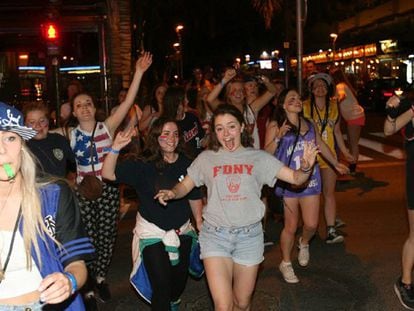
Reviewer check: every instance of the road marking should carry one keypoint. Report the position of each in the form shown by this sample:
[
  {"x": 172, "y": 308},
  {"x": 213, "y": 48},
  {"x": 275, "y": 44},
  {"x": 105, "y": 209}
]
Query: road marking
[
  {"x": 385, "y": 149},
  {"x": 388, "y": 150}
]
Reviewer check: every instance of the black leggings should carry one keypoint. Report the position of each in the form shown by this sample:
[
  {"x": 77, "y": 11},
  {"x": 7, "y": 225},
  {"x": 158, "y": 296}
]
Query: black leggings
[{"x": 167, "y": 281}]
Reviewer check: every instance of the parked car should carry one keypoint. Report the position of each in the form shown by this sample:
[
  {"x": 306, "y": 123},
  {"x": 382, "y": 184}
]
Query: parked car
[{"x": 375, "y": 93}]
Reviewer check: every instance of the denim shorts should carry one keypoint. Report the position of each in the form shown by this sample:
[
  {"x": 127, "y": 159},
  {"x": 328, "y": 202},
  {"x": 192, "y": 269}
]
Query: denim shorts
[
  {"x": 243, "y": 244},
  {"x": 35, "y": 306}
]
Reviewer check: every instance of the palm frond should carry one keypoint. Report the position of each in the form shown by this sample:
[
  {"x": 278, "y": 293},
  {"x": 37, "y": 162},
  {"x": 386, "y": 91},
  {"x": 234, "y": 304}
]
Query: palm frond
[{"x": 267, "y": 8}]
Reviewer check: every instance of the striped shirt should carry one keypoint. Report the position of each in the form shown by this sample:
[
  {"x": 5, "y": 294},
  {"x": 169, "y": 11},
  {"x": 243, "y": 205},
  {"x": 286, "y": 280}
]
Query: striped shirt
[{"x": 80, "y": 142}]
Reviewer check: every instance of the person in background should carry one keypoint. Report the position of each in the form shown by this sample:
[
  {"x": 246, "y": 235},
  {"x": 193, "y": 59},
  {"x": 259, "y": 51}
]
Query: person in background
[
  {"x": 400, "y": 116},
  {"x": 100, "y": 215},
  {"x": 154, "y": 109},
  {"x": 323, "y": 110},
  {"x": 162, "y": 164},
  {"x": 287, "y": 133},
  {"x": 52, "y": 150},
  {"x": 351, "y": 111},
  {"x": 44, "y": 247},
  {"x": 73, "y": 88},
  {"x": 175, "y": 100},
  {"x": 236, "y": 95},
  {"x": 310, "y": 69},
  {"x": 231, "y": 236}
]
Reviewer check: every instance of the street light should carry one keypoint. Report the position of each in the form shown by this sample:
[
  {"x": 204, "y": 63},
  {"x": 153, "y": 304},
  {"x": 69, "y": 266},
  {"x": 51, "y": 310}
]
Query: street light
[
  {"x": 178, "y": 30},
  {"x": 334, "y": 36}
]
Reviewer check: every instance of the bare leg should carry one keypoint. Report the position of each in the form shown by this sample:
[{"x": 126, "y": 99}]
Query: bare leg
[
  {"x": 287, "y": 237},
  {"x": 354, "y": 133},
  {"x": 310, "y": 215},
  {"x": 219, "y": 272},
  {"x": 328, "y": 190},
  {"x": 243, "y": 286}
]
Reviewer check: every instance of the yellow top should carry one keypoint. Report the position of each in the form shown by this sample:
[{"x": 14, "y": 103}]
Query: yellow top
[{"x": 327, "y": 123}]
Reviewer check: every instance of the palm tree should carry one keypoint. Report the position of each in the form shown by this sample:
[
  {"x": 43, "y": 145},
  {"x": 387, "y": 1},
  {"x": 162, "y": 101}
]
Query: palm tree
[{"x": 267, "y": 8}]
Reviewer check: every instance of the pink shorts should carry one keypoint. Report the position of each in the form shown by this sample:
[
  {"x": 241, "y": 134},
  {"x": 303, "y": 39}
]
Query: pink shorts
[{"x": 360, "y": 121}]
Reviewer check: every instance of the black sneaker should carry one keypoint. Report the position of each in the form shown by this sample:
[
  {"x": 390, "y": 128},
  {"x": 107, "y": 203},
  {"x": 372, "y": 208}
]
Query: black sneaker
[
  {"x": 90, "y": 303},
  {"x": 103, "y": 291},
  {"x": 405, "y": 294},
  {"x": 334, "y": 236}
]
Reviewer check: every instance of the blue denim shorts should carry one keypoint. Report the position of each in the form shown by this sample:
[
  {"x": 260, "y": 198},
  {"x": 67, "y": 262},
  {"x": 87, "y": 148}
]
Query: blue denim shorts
[
  {"x": 36, "y": 306},
  {"x": 243, "y": 244}
]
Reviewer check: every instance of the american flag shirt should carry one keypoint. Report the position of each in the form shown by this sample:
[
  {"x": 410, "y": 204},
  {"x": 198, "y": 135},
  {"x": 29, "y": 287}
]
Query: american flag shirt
[{"x": 80, "y": 143}]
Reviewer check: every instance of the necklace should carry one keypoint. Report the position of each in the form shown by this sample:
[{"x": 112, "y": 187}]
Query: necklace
[
  {"x": 7, "y": 198},
  {"x": 16, "y": 225}
]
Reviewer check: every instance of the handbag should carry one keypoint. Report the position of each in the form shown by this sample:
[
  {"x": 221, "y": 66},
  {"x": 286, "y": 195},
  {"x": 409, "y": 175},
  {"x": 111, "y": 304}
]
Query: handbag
[
  {"x": 279, "y": 205},
  {"x": 91, "y": 187}
]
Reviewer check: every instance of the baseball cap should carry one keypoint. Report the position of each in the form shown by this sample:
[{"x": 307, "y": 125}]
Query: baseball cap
[
  {"x": 11, "y": 120},
  {"x": 324, "y": 76}
]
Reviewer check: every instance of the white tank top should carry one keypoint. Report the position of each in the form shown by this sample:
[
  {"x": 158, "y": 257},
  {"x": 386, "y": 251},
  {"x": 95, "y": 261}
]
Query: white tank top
[{"x": 18, "y": 280}]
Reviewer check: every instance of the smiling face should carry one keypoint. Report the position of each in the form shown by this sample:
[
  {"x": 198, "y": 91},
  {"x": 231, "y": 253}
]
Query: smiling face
[
  {"x": 228, "y": 131},
  {"x": 292, "y": 103},
  {"x": 236, "y": 93},
  {"x": 10, "y": 149},
  {"x": 84, "y": 108},
  {"x": 38, "y": 120},
  {"x": 319, "y": 88},
  {"x": 169, "y": 138}
]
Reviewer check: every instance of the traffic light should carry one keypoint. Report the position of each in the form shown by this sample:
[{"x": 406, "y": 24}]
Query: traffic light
[{"x": 50, "y": 31}]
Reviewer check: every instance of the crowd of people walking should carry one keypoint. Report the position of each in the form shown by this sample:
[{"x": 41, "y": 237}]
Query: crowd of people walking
[{"x": 198, "y": 156}]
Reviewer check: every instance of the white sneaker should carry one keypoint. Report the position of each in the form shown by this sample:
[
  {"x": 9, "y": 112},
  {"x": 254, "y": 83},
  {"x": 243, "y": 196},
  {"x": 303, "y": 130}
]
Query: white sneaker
[
  {"x": 287, "y": 272},
  {"x": 303, "y": 254}
]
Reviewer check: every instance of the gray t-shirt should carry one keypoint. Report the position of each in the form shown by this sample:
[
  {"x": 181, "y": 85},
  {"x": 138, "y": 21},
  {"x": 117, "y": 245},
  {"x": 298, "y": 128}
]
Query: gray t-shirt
[{"x": 234, "y": 182}]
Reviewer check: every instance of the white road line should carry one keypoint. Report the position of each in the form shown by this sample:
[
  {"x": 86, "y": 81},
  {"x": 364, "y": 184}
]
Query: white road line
[
  {"x": 388, "y": 150},
  {"x": 385, "y": 149}
]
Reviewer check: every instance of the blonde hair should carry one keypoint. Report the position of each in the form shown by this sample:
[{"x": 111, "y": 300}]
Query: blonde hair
[{"x": 33, "y": 223}]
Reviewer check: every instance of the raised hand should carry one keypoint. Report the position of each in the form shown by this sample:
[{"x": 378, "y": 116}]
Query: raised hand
[
  {"x": 229, "y": 74},
  {"x": 123, "y": 138},
  {"x": 310, "y": 151},
  {"x": 283, "y": 129},
  {"x": 144, "y": 62}
]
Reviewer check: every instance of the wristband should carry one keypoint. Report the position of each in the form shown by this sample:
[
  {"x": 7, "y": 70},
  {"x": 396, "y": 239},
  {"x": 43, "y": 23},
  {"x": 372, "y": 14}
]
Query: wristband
[
  {"x": 72, "y": 281},
  {"x": 308, "y": 170},
  {"x": 222, "y": 83},
  {"x": 277, "y": 140},
  {"x": 112, "y": 150}
]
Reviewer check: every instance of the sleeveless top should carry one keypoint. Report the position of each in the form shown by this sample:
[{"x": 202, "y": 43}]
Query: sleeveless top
[
  {"x": 80, "y": 143},
  {"x": 283, "y": 153},
  {"x": 325, "y": 125}
]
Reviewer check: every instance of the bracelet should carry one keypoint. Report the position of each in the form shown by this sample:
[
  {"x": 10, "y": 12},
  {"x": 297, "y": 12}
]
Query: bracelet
[
  {"x": 222, "y": 83},
  {"x": 72, "y": 281},
  {"x": 307, "y": 170},
  {"x": 277, "y": 140},
  {"x": 112, "y": 150}
]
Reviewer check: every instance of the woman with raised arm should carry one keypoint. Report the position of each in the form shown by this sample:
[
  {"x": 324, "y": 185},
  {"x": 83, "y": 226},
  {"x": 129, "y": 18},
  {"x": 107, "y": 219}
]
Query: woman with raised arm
[
  {"x": 90, "y": 141},
  {"x": 286, "y": 134},
  {"x": 161, "y": 165},
  {"x": 231, "y": 237},
  {"x": 42, "y": 240},
  {"x": 400, "y": 116},
  {"x": 236, "y": 95}
]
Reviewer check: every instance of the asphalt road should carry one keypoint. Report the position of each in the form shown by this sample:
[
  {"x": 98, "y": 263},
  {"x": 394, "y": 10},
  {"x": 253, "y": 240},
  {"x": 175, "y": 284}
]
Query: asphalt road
[{"x": 356, "y": 275}]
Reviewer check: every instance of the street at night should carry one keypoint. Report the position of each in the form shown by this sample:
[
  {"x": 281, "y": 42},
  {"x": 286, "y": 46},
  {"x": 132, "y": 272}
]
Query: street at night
[{"x": 356, "y": 275}]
